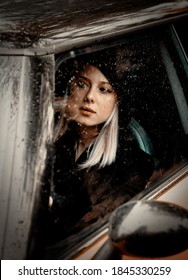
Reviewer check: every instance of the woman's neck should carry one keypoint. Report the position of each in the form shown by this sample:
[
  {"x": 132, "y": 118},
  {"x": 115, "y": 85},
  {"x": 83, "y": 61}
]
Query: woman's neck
[{"x": 86, "y": 135}]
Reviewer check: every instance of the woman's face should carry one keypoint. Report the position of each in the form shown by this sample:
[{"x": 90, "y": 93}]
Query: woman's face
[{"x": 91, "y": 99}]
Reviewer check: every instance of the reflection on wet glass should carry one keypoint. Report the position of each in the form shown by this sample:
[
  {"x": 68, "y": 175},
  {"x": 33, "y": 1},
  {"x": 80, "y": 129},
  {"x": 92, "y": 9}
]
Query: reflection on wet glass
[
  {"x": 98, "y": 163},
  {"x": 115, "y": 124}
]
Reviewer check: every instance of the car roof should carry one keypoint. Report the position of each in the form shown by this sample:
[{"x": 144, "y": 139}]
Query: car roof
[{"x": 39, "y": 26}]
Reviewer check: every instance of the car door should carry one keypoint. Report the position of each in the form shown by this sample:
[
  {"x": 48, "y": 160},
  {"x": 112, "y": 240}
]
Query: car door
[{"x": 28, "y": 54}]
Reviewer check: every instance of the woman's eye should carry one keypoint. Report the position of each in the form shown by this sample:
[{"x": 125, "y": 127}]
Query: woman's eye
[
  {"x": 105, "y": 90},
  {"x": 82, "y": 84}
]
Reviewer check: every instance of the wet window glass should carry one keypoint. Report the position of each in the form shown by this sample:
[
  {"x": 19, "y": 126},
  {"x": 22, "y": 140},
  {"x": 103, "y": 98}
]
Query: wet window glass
[{"x": 120, "y": 126}]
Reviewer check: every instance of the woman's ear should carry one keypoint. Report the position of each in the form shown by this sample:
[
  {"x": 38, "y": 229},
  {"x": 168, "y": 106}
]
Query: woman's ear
[{"x": 119, "y": 99}]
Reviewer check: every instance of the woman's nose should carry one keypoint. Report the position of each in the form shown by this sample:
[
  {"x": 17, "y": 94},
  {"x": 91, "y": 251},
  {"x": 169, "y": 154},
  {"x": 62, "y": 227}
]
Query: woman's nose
[{"x": 90, "y": 96}]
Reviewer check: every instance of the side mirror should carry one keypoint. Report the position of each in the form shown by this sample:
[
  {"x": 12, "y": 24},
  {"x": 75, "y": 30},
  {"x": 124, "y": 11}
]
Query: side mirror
[{"x": 149, "y": 229}]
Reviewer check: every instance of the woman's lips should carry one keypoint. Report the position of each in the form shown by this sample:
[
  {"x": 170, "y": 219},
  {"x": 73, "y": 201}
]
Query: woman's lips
[{"x": 87, "y": 109}]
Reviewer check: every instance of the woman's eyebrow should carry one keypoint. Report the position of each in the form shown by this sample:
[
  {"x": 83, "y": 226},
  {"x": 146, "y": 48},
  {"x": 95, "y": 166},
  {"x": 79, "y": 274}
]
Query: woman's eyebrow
[
  {"x": 103, "y": 82},
  {"x": 87, "y": 79},
  {"x": 83, "y": 77}
]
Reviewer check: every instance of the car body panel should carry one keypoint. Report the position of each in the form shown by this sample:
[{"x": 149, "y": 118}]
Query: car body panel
[
  {"x": 39, "y": 28},
  {"x": 24, "y": 107}
]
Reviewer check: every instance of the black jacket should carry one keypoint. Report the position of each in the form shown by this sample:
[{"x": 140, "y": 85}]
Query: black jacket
[{"x": 81, "y": 197}]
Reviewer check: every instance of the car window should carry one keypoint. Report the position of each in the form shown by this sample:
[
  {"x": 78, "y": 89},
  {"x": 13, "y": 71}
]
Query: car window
[{"x": 148, "y": 73}]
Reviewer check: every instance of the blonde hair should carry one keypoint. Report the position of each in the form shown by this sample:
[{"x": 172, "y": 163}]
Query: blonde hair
[{"x": 103, "y": 150}]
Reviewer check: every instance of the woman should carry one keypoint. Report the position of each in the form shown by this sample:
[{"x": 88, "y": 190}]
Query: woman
[{"x": 98, "y": 164}]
